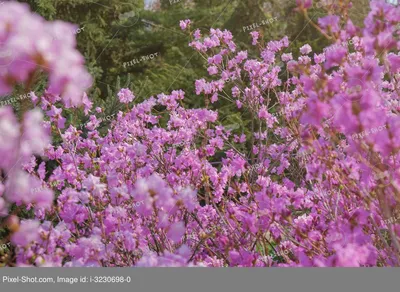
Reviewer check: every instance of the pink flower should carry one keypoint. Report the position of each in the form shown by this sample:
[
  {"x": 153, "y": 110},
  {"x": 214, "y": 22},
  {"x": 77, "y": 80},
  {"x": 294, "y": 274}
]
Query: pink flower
[
  {"x": 197, "y": 34},
  {"x": 255, "y": 35},
  {"x": 27, "y": 233},
  {"x": 304, "y": 3},
  {"x": 87, "y": 103},
  {"x": 317, "y": 110},
  {"x": 184, "y": 23},
  {"x": 49, "y": 46},
  {"x": 394, "y": 62},
  {"x": 264, "y": 114},
  {"x": 125, "y": 95},
  {"x": 212, "y": 70},
  {"x": 306, "y": 49},
  {"x": 189, "y": 198},
  {"x": 9, "y": 135},
  {"x": 335, "y": 57},
  {"x": 287, "y": 57},
  {"x": 176, "y": 231},
  {"x": 36, "y": 137},
  {"x": 238, "y": 165},
  {"x": 330, "y": 23}
]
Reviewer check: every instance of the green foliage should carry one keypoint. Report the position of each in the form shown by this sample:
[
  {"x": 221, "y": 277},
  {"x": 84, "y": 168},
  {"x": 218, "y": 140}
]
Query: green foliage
[{"x": 97, "y": 22}]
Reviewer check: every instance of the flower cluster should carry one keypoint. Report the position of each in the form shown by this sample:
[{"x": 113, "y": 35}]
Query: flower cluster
[
  {"x": 29, "y": 43},
  {"x": 19, "y": 144}
]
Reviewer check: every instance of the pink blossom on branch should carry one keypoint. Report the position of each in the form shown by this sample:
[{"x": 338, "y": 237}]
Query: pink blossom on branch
[{"x": 31, "y": 43}]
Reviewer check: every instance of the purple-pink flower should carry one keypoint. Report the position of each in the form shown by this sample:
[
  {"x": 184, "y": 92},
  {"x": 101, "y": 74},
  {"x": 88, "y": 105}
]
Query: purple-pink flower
[
  {"x": 184, "y": 23},
  {"x": 125, "y": 95}
]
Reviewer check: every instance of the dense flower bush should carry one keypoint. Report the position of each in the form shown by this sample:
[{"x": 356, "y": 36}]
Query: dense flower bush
[{"x": 169, "y": 186}]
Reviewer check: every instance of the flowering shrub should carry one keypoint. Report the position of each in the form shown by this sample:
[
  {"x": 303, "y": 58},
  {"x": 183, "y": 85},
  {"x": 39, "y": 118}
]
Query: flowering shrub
[{"x": 170, "y": 186}]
